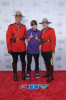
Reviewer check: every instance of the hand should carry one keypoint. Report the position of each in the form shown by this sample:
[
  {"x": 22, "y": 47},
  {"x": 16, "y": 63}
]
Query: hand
[
  {"x": 31, "y": 36},
  {"x": 10, "y": 52},
  {"x": 36, "y": 37}
]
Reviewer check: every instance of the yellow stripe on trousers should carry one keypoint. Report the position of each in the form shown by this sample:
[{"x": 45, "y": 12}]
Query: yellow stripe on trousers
[{"x": 51, "y": 60}]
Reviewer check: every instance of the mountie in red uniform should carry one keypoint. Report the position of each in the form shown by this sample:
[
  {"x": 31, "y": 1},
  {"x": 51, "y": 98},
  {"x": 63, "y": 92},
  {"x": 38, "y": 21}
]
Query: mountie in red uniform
[
  {"x": 19, "y": 45},
  {"x": 15, "y": 38},
  {"x": 50, "y": 40}
]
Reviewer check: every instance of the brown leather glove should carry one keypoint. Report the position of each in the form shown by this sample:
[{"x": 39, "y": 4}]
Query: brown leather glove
[{"x": 10, "y": 52}]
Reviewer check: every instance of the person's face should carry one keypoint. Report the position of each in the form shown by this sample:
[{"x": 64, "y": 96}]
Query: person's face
[
  {"x": 18, "y": 19},
  {"x": 34, "y": 27},
  {"x": 45, "y": 25}
]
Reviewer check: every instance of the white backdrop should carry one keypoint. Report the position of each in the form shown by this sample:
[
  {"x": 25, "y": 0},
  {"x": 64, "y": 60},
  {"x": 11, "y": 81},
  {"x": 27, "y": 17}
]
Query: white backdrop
[{"x": 54, "y": 10}]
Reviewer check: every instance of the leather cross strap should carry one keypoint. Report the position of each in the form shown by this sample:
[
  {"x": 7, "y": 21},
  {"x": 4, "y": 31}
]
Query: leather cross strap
[
  {"x": 13, "y": 39},
  {"x": 45, "y": 30},
  {"x": 17, "y": 29},
  {"x": 43, "y": 41}
]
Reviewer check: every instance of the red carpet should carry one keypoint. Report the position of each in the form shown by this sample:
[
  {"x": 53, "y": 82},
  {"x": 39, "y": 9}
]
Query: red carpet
[{"x": 9, "y": 90}]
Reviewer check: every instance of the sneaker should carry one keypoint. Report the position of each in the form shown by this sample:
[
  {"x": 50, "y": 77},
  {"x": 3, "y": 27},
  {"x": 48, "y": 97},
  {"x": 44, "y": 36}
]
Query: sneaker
[
  {"x": 28, "y": 75},
  {"x": 37, "y": 74}
]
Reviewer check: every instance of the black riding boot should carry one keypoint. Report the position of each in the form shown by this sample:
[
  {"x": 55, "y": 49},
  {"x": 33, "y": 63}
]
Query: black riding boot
[
  {"x": 50, "y": 78},
  {"x": 23, "y": 70},
  {"x": 47, "y": 71},
  {"x": 15, "y": 71}
]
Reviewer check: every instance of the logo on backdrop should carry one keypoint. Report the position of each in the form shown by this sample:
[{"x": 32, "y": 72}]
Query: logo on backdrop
[{"x": 33, "y": 86}]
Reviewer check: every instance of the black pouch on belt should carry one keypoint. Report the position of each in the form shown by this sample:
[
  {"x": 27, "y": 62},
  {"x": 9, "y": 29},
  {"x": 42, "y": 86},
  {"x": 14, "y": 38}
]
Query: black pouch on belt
[
  {"x": 42, "y": 41},
  {"x": 13, "y": 39}
]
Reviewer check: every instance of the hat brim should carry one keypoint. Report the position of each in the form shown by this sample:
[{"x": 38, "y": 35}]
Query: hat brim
[
  {"x": 45, "y": 22},
  {"x": 18, "y": 15}
]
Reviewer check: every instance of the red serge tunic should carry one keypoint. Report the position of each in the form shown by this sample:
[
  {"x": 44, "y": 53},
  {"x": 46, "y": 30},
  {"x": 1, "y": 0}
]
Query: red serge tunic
[
  {"x": 48, "y": 34},
  {"x": 19, "y": 45}
]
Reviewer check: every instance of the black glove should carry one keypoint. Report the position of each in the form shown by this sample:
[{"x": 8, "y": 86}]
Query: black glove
[{"x": 10, "y": 52}]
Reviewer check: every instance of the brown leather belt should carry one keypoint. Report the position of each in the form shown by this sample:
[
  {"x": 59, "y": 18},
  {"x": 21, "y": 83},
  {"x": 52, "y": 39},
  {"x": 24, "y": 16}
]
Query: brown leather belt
[
  {"x": 46, "y": 40},
  {"x": 13, "y": 39},
  {"x": 20, "y": 39},
  {"x": 43, "y": 41}
]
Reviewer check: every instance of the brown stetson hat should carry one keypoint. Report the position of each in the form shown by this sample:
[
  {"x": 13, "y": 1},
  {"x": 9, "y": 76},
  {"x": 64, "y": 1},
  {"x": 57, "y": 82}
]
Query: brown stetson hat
[
  {"x": 18, "y": 13},
  {"x": 45, "y": 20}
]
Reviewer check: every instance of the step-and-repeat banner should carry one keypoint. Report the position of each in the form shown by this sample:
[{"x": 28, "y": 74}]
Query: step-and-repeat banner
[{"x": 54, "y": 10}]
